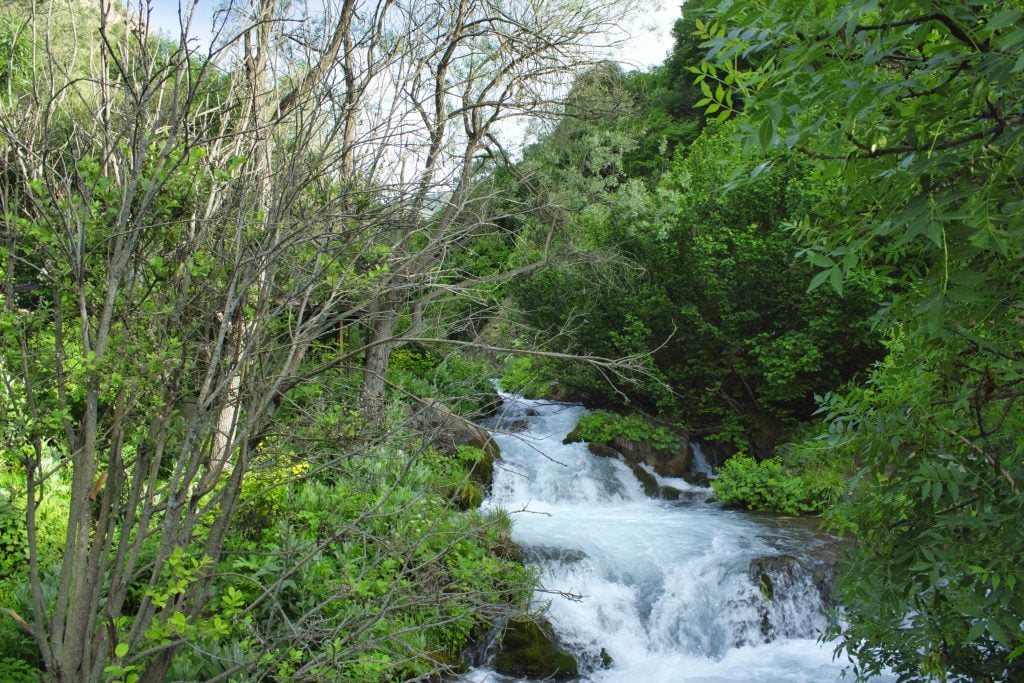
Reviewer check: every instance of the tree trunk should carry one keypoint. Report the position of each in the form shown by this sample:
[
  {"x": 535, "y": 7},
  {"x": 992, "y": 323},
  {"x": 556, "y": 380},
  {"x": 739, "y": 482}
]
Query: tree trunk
[{"x": 378, "y": 354}]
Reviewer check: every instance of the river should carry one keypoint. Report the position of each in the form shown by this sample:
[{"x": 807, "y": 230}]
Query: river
[{"x": 665, "y": 588}]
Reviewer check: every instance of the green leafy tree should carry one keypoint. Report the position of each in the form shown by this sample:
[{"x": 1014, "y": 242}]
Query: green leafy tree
[
  {"x": 707, "y": 287},
  {"x": 911, "y": 112}
]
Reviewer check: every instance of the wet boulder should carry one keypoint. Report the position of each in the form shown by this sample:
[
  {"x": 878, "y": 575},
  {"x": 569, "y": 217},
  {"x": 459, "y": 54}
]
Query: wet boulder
[
  {"x": 646, "y": 479},
  {"x": 772, "y": 571},
  {"x": 664, "y": 461},
  {"x": 530, "y": 649},
  {"x": 509, "y": 419},
  {"x": 550, "y": 553},
  {"x": 793, "y": 592},
  {"x": 447, "y": 431},
  {"x": 697, "y": 479},
  {"x": 602, "y": 450}
]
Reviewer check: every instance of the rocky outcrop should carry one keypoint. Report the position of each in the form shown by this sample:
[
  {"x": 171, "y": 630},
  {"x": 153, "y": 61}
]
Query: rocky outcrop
[
  {"x": 792, "y": 591},
  {"x": 776, "y": 572},
  {"x": 666, "y": 462},
  {"x": 602, "y": 450},
  {"x": 638, "y": 453},
  {"x": 447, "y": 431},
  {"x": 529, "y": 649}
]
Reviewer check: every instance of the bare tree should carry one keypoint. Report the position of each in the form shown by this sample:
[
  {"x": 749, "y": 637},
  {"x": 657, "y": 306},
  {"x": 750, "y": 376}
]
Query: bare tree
[
  {"x": 476, "y": 65},
  {"x": 179, "y": 228}
]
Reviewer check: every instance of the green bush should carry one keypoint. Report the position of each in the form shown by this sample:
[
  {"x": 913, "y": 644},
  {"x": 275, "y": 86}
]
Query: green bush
[
  {"x": 13, "y": 543},
  {"x": 461, "y": 383},
  {"x": 396, "y": 561},
  {"x": 51, "y": 519},
  {"x": 528, "y": 377},
  {"x": 766, "y": 485},
  {"x": 17, "y": 671}
]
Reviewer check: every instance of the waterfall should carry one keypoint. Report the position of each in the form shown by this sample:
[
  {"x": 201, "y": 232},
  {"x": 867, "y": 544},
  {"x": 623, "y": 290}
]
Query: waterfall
[
  {"x": 700, "y": 463},
  {"x": 670, "y": 591}
]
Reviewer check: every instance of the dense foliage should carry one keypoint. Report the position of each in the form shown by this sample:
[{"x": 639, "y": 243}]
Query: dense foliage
[
  {"x": 222, "y": 307},
  {"x": 791, "y": 487},
  {"x": 847, "y": 242},
  {"x": 221, "y": 301},
  {"x": 911, "y": 112},
  {"x": 371, "y": 555},
  {"x": 705, "y": 285}
]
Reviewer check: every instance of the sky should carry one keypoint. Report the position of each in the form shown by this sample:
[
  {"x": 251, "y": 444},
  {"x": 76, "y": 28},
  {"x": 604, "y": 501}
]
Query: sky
[
  {"x": 650, "y": 41},
  {"x": 651, "y": 38}
]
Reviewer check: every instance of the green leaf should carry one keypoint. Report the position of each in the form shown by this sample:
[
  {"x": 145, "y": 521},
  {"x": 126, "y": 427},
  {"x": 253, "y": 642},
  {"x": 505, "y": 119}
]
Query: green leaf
[
  {"x": 121, "y": 650},
  {"x": 817, "y": 280},
  {"x": 998, "y": 632},
  {"x": 835, "y": 278},
  {"x": 1002, "y": 19},
  {"x": 816, "y": 258},
  {"x": 765, "y": 133}
]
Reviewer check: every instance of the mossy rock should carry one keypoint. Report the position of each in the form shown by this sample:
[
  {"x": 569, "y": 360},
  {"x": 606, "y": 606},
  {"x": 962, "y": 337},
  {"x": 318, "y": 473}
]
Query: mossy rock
[
  {"x": 447, "y": 431},
  {"x": 672, "y": 461},
  {"x": 668, "y": 462},
  {"x": 507, "y": 549},
  {"x": 482, "y": 471},
  {"x": 529, "y": 649},
  {"x": 467, "y": 496},
  {"x": 602, "y": 450},
  {"x": 646, "y": 479},
  {"x": 573, "y": 436}
]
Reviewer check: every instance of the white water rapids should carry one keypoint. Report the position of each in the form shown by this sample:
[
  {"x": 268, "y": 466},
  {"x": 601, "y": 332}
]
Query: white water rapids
[{"x": 664, "y": 587}]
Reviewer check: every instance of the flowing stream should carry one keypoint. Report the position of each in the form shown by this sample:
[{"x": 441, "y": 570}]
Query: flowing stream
[{"x": 675, "y": 590}]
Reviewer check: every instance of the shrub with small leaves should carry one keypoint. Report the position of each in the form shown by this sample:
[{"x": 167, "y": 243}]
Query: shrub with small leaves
[{"x": 766, "y": 485}]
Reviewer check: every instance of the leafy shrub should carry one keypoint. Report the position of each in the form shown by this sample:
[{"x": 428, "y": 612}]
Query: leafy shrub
[
  {"x": 766, "y": 485},
  {"x": 460, "y": 382},
  {"x": 603, "y": 426},
  {"x": 13, "y": 548},
  {"x": 376, "y": 544},
  {"x": 528, "y": 377},
  {"x": 264, "y": 496},
  {"x": 51, "y": 519},
  {"x": 17, "y": 671}
]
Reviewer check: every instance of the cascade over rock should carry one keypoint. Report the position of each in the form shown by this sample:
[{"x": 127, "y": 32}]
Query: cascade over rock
[
  {"x": 666, "y": 462},
  {"x": 646, "y": 589}
]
